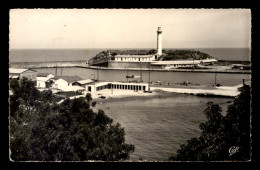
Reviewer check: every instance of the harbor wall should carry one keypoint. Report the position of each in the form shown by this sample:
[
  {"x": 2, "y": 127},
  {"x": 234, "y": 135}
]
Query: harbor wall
[
  {"x": 228, "y": 62},
  {"x": 116, "y": 64}
]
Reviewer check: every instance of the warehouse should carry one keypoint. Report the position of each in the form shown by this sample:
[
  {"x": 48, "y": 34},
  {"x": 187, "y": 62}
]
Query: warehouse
[{"x": 20, "y": 73}]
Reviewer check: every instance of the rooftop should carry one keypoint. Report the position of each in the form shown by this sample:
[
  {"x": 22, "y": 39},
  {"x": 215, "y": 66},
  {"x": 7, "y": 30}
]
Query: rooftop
[
  {"x": 19, "y": 70},
  {"x": 130, "y": 55},
  {"x": 131, "y": 52},
  {"x": 119, "y": 83},
  {"x": 182, "y": 62},
  {"x": 69, "y": 79},
  {"x": 43, "y": 74},
  {"x": 13, "y": 77},
  {"x": 73, "y": 88},
  {"x": 85, "y": 81},
  {"x": 176, "y": 62},
  {"x": 16, "y": 70},
  {"x": 42, "y": 78}
]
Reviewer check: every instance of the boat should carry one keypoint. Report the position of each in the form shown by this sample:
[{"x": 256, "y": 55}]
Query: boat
[
  {"x": 133, "y": 76},
  {"x": 158, "y": 83},
  {"x": 137, "y": 76}
]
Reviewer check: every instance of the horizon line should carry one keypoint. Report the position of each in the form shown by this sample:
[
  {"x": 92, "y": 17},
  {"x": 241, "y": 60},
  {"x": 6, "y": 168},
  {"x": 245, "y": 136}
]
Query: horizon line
[{"x": 129, "y": 48}]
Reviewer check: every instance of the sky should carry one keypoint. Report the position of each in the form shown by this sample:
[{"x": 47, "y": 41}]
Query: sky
[{"x": 129, "y": 28}]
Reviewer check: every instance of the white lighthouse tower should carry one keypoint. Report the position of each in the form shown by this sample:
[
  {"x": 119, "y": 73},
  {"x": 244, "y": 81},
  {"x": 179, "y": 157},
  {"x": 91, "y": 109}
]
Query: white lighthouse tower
[{"x": 159, "y": 42}]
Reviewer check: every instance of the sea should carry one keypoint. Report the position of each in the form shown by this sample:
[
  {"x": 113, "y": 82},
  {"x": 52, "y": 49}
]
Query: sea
[
  {"x": 157, "y": 125},
  {"x": 60, "y": 56}
]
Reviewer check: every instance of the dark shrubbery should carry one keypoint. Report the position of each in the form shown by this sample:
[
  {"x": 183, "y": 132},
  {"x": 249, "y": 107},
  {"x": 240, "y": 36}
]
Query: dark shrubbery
[
  {"x": 42, "y": 130},
  {"x": 221, "y": 133},
  {"x": 184, "y": 55}
]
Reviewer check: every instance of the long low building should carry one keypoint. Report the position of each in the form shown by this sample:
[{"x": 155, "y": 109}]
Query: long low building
[
  {"x": 15, "y": 73},
  {"x": 95, "y": 87},
  {"x": 134, "y": 58},
  {"x": 183, "y": 63},
  {"x": 65, "y": 83},
  {"x": 83, "y": 83}
]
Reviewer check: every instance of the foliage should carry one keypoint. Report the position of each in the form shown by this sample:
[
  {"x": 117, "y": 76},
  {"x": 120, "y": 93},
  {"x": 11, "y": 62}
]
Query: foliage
[
  {"x": 88, "y": 97},
  {"x": 183, "y": 55},
  {"x": 101, "y": 56},
  {"x": 220, "y": 133},
  {"x": 93, "y": 104},
  {"x": 49, "y": 83},
  {"x": 69, "y": 93},
  {"x": 153, "y": 51},
  {"x": 46, "y": 96},
  {"x": 42, "y": 130}
]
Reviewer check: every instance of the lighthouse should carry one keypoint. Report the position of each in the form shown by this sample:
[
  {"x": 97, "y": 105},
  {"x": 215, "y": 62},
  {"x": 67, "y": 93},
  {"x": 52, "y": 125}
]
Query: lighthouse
[{"x": 159, "y": 41}]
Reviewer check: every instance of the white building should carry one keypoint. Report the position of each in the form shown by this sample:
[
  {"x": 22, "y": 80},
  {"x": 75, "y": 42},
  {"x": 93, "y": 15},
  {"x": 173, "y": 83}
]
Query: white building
[
  {"x": 134, "y": 58},
  {"x": 95, "y": 87},
  {"x": 49, "y": 75},
  {"x": 41, "y": 81},
  {"x": 208, "y": 61},
  {"x": 43, "y": 78},
  {"x": 74, "y": 88},
  {"x": 65, "y": 83},
  {"x": 183, "y": 63},
  {"x": 83, "y": 83},
  {"x": 20, "y": 73},
  {"x": 60, "y": 84}
]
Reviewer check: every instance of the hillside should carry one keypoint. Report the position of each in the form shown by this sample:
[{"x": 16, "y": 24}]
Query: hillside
[
  {"x": 168, "y": 55},
  {"x": 104, "y": 56},
  {"x": 183, "y": 55}
]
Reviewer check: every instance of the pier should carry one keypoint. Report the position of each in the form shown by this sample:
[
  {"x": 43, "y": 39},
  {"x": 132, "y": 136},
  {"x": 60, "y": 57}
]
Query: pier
[
  {"x": 219, "y": 69},
  {"x": 212, "y": 70}
]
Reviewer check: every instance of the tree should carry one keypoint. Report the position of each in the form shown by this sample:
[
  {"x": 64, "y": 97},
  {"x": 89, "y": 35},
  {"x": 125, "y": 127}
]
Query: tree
[
  {"x": 47, "y": 95},
  {"x": 93, "y": 104},
  {"x": 43, "y": 130},
  {"x": 238, "y": 124},
  {"x": 88, "y": 97},
  {"x": 48, "y": 83},
  {"x": 221, "y": 133}
]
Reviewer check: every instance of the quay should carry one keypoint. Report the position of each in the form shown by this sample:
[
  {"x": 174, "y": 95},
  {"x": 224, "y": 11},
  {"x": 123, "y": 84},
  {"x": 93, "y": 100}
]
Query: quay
[
  {"x": 212, "y": 70},
  {"x": 218, "y": 69},
  {"x": 123, "y": 90},
  {"x": 119, "y": 89},
  {"x": 99, "y": 86}
]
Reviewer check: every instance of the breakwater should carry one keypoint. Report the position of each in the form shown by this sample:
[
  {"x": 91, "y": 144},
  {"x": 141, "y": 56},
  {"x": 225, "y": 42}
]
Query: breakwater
[
  {"x": 32, "y": 65},
  {"x": 218, "y": 70}
]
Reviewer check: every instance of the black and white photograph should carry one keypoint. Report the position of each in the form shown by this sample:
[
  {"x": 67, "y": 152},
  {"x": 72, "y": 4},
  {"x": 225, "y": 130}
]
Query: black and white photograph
[{"x": 130, "y": 85}]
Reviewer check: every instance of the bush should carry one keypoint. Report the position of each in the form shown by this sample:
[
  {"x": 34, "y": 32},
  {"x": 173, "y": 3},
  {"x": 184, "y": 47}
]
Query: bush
[
  {"x": 221, "y": 133},
  {"x": 42, "y": 130},
  {"x": 184, "y": 55}
]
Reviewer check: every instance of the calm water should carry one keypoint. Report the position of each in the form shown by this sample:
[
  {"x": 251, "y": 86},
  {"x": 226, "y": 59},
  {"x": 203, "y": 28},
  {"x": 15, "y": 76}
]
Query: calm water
[
  {"x": 158, "y": 126},
  {"x": 63, "y": 55},
  {"x": 239, "y": 54},
  {"x": 164, "y": 77},
  {"x": 51, "y": 55},
  {"x": 59, "y": 56}
]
